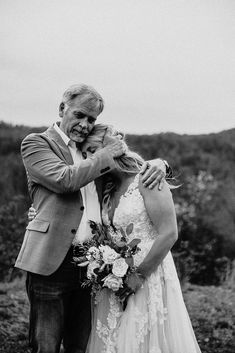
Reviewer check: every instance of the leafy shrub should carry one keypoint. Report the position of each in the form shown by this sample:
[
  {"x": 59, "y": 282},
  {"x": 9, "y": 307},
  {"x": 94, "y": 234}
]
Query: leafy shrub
[
  {"x": 199, "y": 252},
  {"x": 12, "y": 228}
]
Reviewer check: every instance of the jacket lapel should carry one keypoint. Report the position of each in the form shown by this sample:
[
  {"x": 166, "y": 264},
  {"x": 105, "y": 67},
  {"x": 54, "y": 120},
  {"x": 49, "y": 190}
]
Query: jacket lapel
[{"x": 57, "y": 139}]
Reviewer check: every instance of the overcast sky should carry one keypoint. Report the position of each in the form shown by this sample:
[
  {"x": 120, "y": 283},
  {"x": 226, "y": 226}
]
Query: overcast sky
[{"x": 161, "y": 65}]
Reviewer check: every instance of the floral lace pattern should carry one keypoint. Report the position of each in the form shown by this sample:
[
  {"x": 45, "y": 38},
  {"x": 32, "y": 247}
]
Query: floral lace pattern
[
  {"x": 141, "y": 321},
  {"x": 131, "y": 209},
  {"x": 108, "y": 333}
]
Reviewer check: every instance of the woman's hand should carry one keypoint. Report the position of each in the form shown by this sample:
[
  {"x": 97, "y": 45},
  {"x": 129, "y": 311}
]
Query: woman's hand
[
  {"x": 133, "y": 283},
  {"x": 31, "y": 213}
]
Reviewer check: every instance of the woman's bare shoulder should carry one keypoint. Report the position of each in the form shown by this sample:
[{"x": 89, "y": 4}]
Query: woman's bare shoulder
[{"x": 154, "y": 193}]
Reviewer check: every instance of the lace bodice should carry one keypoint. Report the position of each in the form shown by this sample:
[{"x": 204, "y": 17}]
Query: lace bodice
[{"x": 131, "y": 209}]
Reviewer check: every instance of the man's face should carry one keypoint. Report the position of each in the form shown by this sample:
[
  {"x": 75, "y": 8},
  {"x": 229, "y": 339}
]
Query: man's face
[{"x": 78, "y": 119}]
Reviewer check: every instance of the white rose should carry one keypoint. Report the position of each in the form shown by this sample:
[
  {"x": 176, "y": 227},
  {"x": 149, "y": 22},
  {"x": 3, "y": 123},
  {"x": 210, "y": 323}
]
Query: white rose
[
  {"x": 112, "y": 282},
  {"x": 90, "y": 269},
  {"x": 108, "y": 254},
  {"x": 119, "y": 267},
  {"x": 93, "y": 253}
]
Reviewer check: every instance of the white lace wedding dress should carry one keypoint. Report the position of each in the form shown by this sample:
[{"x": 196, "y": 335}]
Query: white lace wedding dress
[{"x": 156, "y": 319}]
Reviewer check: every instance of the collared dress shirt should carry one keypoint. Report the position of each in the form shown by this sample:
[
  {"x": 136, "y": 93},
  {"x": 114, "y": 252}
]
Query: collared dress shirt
[{"x": 89, "y": 194}]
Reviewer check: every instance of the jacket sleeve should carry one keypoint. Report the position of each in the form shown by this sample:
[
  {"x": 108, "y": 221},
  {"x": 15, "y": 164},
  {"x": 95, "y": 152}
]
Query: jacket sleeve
[{"x": 46, "y": 168}]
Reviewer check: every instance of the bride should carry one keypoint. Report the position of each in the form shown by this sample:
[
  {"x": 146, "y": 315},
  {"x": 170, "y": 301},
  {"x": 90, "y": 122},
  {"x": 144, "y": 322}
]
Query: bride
[{"x": 155, "y": 319}]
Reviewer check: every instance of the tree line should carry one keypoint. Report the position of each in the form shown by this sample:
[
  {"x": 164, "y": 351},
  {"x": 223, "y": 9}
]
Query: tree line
[{"x": 204, "y": 168}]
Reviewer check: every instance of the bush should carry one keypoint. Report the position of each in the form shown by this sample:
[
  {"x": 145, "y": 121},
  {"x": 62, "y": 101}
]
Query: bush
[
  {"x": 12, "y": 228},
  {"x": 199, "y": 252}
]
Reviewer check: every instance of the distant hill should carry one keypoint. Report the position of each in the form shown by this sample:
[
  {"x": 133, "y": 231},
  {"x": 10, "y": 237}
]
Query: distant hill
[{"x": 187, "y": 154}]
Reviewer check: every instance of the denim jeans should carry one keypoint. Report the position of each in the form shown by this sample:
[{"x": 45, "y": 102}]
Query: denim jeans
[{"x": 60, "y": 309}]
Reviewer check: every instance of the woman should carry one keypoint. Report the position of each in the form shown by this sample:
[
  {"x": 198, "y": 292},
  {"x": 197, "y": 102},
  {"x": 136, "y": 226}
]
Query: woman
[{"x": 155, "y": 319}]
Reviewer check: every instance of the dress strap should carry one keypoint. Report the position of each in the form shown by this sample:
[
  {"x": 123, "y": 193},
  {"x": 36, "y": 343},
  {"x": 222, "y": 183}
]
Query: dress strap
[{"x": 134, "y": 185}]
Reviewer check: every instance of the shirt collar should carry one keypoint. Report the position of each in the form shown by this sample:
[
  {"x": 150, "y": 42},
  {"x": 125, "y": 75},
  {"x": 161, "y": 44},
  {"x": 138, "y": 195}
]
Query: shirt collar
[{"x": 64, "y": 137}]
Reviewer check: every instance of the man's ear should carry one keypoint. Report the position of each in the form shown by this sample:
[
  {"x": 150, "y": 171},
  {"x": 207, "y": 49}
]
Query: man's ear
[{"x": 61, "y": 109}]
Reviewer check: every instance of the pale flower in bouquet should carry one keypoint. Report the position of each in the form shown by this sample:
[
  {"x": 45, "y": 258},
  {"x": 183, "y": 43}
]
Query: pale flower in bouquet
[
  {"x": 93, "y": 265},
  {"x": 93, "y": 254},
  {"x": 113, "y": 282},
  {"x": 109, "y": 255},
  {"x": 120, "y": 267}
]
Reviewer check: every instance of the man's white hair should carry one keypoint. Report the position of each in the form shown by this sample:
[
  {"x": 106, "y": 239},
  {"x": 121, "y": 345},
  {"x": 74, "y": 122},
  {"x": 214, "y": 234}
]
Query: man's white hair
[{"x": 88, "y": 95}]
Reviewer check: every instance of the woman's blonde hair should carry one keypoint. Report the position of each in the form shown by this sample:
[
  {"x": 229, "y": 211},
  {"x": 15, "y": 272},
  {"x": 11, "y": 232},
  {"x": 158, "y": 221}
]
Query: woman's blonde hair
[{"x": 130, "y": 162}]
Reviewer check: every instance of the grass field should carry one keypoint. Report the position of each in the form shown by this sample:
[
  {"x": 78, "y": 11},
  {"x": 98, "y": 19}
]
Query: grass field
[{"x": 212, "y": 311}]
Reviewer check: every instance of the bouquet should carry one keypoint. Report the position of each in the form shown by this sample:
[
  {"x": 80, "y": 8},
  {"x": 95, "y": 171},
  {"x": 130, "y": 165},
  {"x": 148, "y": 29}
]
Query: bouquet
[{"x": 108, "y": 257}]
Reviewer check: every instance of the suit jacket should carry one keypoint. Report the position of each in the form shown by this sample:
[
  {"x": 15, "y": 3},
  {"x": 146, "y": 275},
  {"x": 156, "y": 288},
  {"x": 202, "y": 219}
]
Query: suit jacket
[{"x": 54, "y": 185}]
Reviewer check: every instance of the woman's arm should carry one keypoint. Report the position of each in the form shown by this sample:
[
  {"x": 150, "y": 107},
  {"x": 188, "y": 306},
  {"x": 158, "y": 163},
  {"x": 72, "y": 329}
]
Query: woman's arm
[
  {"x": 161, "y": 211},
  {"x": 160, "y": 208}
]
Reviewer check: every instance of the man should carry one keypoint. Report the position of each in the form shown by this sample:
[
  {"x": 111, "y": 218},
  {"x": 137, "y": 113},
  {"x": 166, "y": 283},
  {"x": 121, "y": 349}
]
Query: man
[{"x": 59, "y": 181}]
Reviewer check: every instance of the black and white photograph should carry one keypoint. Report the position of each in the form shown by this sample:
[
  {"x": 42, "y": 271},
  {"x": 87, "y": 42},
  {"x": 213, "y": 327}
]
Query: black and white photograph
[{"x": 117, "y": 182}]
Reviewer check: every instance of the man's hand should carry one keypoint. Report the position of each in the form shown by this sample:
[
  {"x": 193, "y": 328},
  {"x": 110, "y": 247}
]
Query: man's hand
[
  {"x": 31, "y": 213},
  {"x": 154, "y": 173},
  {"x": 114, "y": 145}
]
